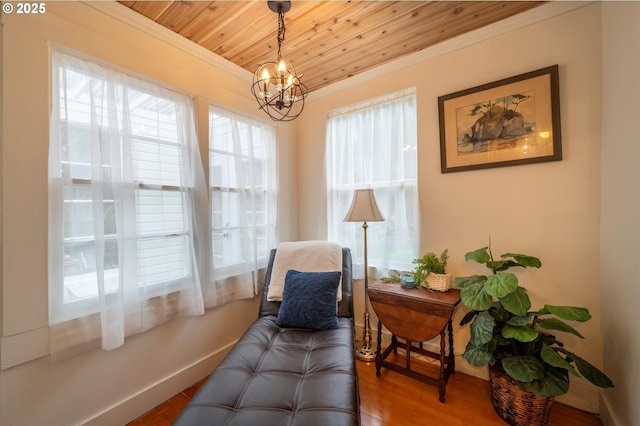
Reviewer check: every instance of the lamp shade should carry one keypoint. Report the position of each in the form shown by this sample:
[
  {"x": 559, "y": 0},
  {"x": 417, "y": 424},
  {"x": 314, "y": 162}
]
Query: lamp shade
[{"x": 364, "y": 207}]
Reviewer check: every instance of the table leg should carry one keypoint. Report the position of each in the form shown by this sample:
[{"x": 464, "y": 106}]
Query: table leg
[
  {"x": 408, "y": 353},
  {"x": 452, "y": 358},
  {"x": 442, "y": 383},
  {"x": 378, "y": 350}
]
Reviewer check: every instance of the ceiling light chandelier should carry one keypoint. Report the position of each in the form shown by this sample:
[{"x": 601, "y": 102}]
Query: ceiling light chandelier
[{"x": 276, "y": 86}]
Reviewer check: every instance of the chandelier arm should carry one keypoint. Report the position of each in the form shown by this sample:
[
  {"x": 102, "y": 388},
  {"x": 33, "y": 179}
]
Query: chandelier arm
[{"x": 274, "y": 96}]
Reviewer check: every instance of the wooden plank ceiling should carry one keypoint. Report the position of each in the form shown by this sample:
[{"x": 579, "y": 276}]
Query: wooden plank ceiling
[{"x": 327, "y": 41}]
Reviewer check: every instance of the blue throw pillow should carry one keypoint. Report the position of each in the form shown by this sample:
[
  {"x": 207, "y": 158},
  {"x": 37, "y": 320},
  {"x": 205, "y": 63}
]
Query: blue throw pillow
[{"x": 309, "y": 300}]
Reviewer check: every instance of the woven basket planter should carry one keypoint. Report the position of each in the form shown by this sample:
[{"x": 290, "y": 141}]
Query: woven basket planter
[
  {"x": 517, "y": 406},
  {"x": 439, "y": 282}
]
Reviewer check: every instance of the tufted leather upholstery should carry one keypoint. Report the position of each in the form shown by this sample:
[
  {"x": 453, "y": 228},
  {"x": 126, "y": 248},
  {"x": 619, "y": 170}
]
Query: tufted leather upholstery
[{"x": 284, "y": 376}]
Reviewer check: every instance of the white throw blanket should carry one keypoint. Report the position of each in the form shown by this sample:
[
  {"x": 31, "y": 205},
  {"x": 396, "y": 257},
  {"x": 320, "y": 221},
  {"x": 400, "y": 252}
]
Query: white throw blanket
[{"x": 303, "y": 256}]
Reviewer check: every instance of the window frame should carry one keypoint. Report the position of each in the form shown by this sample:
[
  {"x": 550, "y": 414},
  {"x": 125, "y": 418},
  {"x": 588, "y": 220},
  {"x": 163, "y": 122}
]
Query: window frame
[
  {"x": 228, "y": 270},
  {"x": 350, "y": 119},
  {"x": 87, "y": 305}
]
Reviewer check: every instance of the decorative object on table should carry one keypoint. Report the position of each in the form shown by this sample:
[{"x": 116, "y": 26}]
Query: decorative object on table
[
  {"x": 276, "y": 85},
  {"x": 431, "y": 271},
  {"x": 528, "y": 366},
  {"x": 504, "y": 123},
  {"x": 407, "y": 281},
  {"x": 439, "y": 282},
  {"x": 365, "y": 209}
]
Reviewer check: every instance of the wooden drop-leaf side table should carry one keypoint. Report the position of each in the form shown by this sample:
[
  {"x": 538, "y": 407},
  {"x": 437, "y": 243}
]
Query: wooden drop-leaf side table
[{"x": 415, "y": 315}]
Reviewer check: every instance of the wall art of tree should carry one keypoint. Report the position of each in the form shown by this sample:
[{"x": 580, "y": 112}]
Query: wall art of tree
[{"x": 496, "y": 119}]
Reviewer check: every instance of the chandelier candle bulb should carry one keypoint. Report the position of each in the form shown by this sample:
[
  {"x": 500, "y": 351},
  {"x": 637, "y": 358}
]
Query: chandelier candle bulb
[
  {"x": 290, "y": 87},
  {"x": 265, "y": 79}
]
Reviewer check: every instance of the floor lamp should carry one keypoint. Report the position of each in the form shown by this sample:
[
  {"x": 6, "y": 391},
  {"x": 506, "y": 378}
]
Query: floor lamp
[{"x": 364, "y": 209}]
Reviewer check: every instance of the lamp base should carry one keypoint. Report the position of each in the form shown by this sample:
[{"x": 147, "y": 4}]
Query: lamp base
[{"x": 366, "y": 354}]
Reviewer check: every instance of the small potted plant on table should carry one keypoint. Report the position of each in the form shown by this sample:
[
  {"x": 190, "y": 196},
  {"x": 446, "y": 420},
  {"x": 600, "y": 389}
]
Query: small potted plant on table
[
  {"x": 528, "y": 366},
  {"x": 431, "y": 272}
]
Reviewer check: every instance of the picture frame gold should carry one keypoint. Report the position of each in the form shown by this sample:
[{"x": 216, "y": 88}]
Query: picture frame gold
[{"x": 507, "y": 122}]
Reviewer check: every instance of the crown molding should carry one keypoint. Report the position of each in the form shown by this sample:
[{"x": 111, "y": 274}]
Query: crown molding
[{"x": 146, "y": 25}]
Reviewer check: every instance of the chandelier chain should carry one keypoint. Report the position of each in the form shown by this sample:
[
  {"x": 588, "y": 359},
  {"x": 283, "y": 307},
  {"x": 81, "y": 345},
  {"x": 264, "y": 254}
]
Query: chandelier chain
[{"x": 281, "y": 30}]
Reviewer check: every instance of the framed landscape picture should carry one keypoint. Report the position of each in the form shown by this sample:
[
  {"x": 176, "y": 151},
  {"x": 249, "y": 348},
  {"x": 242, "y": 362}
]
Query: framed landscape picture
[{"x": 505, "y": 123}]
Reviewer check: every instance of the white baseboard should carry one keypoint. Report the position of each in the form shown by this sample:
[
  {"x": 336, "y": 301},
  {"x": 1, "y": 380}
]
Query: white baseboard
[{"x": 147, "y": 398}]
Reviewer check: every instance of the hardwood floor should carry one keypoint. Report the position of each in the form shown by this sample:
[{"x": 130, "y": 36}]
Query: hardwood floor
[{"x": 394, "y": 399}]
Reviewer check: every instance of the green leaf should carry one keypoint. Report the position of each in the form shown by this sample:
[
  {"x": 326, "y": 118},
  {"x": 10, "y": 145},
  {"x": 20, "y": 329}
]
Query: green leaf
[
  {"x": 499, "y": 313},
  {"x": 524, "y": 368},
  {"x": 524, "y": 260},
  {"x": 468, "y": 317},
  {"x": 549, "y": 339},
  {"x": 556, "y": 324},
  {"x": 463, "y": 282},
  {"x": 521, "y": 334},
  {"x": 591, "y": 373},
  {"x": 502, "y": 265},
  {"x": 475, "y": 297},
  {"x": 555, "y": 382},
  {"x": 481, "y": 329},
  {"x": 431, "y": 263},
  {"x": 519, "y": 320},
  {"x": 518, "y": 302},
  {"x": 479, "y": 356},
  {"x": 501, "y": 284},
  {"x": 480, "y": 255},
  {"x": 554, "y": 359},
  {"x": 539, "y": 312},
  {"x": 571, "y": 313}
]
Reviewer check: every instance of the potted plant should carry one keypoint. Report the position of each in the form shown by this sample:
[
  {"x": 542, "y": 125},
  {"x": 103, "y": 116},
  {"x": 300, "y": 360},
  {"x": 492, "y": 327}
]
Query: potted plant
[
  {"x": 431, "y": 272},
  {"x": 525, "y": 360}
]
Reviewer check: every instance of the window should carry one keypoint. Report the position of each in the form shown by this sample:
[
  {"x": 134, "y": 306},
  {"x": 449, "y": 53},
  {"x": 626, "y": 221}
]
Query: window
[
  {"x": 242, "y": 183},
  {"x": 373, "y": 145},
  {"x": 123, "y": 179}
]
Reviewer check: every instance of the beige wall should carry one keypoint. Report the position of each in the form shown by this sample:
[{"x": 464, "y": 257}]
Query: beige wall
[
  {"x": 620, "y": 230},
  {"x": 116, "y": 386},
  {"x": 550, "y": 210}
]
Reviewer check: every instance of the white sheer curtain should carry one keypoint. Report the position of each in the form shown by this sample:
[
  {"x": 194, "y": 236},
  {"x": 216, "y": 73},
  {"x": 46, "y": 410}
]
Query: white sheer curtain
[
  {"x": 242, "y": 184},
  {"x": 373, "y": 145},
  {"x": 126, "y": 189}
]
